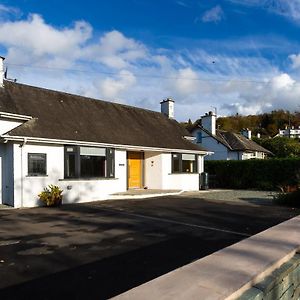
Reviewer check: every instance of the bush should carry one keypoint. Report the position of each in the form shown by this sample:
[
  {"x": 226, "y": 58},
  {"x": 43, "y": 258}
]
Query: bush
[
  {"x": 51, "y": 195},
  {"x": 270, "y": 174},
  {"x": 288, "y": 199}
]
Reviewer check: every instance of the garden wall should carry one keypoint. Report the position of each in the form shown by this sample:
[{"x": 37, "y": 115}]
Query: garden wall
[
  {"x": 283, "y": 283},
  {"x": 266, "y": 261}
]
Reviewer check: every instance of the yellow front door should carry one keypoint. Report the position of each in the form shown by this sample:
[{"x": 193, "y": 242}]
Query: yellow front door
[{"x": 135, "y": 169}]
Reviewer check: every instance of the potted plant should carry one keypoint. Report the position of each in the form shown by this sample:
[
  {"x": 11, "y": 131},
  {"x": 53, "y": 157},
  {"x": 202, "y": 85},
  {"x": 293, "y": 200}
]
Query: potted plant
[{"x": 51, "y": 195}]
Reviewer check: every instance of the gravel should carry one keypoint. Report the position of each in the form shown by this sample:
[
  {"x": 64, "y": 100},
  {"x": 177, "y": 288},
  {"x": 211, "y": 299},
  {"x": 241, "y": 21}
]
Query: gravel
[{"x": 240, "y": 196}]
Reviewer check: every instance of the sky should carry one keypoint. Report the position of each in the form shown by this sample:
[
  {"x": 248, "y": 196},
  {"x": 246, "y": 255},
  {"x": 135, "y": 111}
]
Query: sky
[{"x": 232, "y": 56}]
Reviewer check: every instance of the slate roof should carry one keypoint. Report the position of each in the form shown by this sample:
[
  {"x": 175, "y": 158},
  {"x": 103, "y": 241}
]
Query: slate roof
[
  {"x": 63, "y": 116},
  {"x": 236, "y": 142}
]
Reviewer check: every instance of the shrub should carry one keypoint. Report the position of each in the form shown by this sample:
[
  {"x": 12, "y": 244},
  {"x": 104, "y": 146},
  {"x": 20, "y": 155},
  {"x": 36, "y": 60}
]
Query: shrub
[
  {"x": 288, "y": 199},
  {"x": 270, "y": 174},
  {"x": 51, "y": 195}
]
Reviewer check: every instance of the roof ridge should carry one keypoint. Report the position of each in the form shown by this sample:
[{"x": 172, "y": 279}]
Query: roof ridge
[{"x": 80, "y": 96}]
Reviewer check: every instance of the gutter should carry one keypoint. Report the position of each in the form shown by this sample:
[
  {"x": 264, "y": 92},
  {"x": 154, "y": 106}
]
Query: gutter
[
  {"x": 7, "y": 115},
  {"x": 7, "y": 138}
]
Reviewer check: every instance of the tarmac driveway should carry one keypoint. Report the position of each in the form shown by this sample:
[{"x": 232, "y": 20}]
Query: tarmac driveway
[{"x": 98, "y": 250}]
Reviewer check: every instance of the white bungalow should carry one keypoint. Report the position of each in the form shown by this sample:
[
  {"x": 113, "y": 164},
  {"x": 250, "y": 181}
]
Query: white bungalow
[{"x": 89, "y": 148}]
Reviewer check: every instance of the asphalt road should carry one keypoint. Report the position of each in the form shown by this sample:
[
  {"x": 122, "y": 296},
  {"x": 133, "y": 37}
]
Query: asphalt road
[{"x": 98, "y": 250}]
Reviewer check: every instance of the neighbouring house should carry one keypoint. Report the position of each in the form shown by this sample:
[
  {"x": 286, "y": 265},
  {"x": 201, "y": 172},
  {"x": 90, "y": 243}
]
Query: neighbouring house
[
  {"x": 89, "y": 148},
  {"x": 290, "y": 132},
  {"x": 226, "y": 145}
]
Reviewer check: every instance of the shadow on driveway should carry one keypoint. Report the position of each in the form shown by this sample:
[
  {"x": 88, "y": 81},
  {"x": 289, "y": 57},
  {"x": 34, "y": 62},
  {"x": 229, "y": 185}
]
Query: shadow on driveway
[{"x": 98, "y": 250}]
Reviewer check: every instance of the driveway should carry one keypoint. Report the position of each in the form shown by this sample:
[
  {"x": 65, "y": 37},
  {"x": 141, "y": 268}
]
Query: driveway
[{"x": 98, "y": 250}]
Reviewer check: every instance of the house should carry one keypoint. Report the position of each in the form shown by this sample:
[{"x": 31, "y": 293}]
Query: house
[
  {"x": 290, "y": 132},
  {"x": 89, "y": 148},
  {"x": 226, "y": 145}
]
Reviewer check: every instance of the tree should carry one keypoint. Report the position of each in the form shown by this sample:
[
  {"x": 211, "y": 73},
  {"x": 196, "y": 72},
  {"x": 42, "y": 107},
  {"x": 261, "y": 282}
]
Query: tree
[{"x": 281, "y": 146}]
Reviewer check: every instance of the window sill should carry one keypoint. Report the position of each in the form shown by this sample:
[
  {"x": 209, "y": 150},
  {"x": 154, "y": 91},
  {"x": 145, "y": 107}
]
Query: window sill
[
  {"x": 34, "y": 176},
  {"x": 87, "y": 179},
  {"x": 183, "y": 173}
]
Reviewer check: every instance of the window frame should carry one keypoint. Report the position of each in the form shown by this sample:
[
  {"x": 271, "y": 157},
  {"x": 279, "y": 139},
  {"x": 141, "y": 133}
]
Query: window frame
[
  {"x": 181, "y": 171},
  {"x": 32, "y": 174},
  {"x": 109, "y": 162}
]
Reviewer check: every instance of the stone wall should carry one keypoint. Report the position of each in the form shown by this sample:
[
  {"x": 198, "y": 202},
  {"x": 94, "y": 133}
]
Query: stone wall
[{"x": 282, "y": 284}]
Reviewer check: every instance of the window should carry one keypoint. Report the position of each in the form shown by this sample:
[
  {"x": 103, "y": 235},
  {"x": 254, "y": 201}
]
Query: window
[
  {"x": 184, "y": 163},
  {"x": 199, "y": 137},
  {"x": 176, "y": 163},
  {"x": 189, "y": 163},
  {"x": 89, "y": 162},
  {"x": 37, "y": 164}
]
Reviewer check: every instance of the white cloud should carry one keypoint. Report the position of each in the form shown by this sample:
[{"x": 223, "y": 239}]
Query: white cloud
[
  {"x": 214, "y": 14},
  {"x": 115, "y": 50},
  {"x": 282, "y": 82},
  {"x": 279, "y": 92},
  {"x": 295, "y": 58},
  {"x": 110, "y": 88},
  {"x": 36, "y": 38},
  {"x": 186, "y": 82}
]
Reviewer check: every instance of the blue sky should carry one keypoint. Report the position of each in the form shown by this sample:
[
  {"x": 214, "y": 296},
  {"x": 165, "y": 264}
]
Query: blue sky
[{"x": 237, "y": 55}]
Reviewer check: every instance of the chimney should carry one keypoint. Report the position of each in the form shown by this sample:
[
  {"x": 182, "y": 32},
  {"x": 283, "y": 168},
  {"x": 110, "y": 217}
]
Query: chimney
[
  {"x": 246, "y": 133},
  {"x": 167, "y": 108},
  {"x": 1, "y": 71},
  {"x": 209, "y": 122}
]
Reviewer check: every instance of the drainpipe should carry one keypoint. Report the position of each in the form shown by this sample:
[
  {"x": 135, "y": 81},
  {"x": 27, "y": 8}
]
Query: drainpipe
[{"x": 22, "y": 177}]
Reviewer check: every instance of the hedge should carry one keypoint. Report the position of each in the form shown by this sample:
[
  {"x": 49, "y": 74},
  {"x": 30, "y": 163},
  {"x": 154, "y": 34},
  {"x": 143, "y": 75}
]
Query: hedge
[{"x": 270, "y": 174}]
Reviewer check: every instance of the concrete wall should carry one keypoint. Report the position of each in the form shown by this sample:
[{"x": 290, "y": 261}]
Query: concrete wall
[{"x": 27, "y": 188}]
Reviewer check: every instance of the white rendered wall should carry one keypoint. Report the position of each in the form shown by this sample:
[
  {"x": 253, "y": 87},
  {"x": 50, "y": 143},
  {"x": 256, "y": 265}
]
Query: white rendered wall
[
  {"x": 183, "y": 181},
  {"x": 234, "y": 155},
  {"x": 91, "y": 190},
  {"x": 7, "y": 125},
  {"x": 211, "y": 144},
  {"x": 27, "y": 187},
  {"x": 153, "y": 170},
  {"x": 158, "y": 173}
]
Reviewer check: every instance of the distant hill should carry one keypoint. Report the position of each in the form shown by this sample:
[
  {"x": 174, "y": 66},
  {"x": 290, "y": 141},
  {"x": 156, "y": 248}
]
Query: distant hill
[{"x": 266, "y": 124}]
